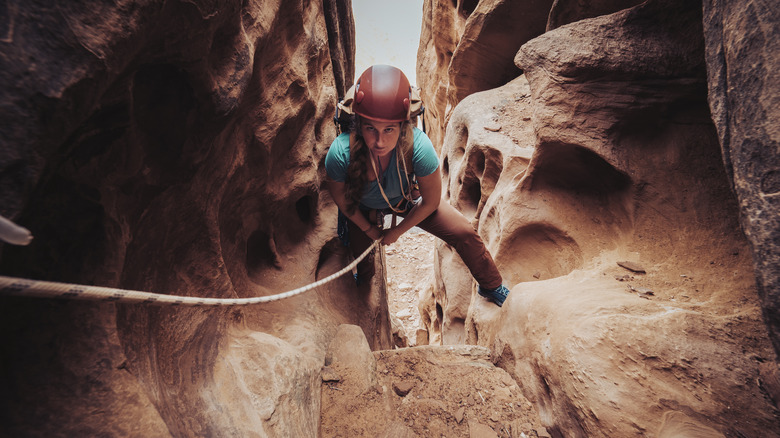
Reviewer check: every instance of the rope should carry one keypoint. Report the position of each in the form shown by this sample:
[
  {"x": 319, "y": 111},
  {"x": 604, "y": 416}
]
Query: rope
[
  {"x": 47, "y": 289},
  {"x": 382, "y": 190}
]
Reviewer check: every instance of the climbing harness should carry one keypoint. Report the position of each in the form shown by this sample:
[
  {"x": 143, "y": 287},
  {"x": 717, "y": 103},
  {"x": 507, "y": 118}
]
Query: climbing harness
[
  {"x": 46, "y": 289},
  {"x": 383, "y": 97}
]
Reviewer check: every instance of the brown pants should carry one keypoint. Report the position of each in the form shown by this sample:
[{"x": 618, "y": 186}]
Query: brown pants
[{"x": 449, "y": 225}]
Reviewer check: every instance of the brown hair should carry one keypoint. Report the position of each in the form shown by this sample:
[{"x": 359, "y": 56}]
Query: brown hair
[{"x": 357, "y": 174}]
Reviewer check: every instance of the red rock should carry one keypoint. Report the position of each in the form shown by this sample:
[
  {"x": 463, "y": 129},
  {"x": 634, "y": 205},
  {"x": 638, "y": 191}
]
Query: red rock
[{"x": 403, "y": 388}]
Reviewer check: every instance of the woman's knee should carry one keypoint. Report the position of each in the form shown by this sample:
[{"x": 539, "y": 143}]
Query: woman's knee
[{"x": 466, "y": 238}]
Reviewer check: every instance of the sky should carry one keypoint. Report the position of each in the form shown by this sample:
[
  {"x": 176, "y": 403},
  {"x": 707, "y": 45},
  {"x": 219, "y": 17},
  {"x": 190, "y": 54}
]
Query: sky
[{"x": 387, "y": 32}]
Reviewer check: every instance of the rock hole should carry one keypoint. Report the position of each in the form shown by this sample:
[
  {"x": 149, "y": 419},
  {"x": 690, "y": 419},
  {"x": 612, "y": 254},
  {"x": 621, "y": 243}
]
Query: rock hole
[
  {"x": 470, "y": 196},
  {"x": 545, "y": 385},
  {"x": 304, "y": 208},
  {"x": 467, "y": 7},
  {"x": 437, "y": 323},
  {"x": 538, "y": 248},
  {"x": 260, "y": 253},
  {"x": 578, "y": 169},
  {"x": 770, "y": 183},
  {"x": 471, "y": 184},
  {"x": 327, "y": 252},
  {"x": 477, "y": 163}
]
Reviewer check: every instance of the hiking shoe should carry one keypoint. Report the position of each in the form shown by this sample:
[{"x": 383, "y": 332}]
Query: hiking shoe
[{"x": 497, "y": 295}]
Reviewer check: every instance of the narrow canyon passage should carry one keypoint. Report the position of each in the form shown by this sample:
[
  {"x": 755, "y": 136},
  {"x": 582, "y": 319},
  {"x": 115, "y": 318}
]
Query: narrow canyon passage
[
  {"x": 179, "y": 147},
  {"x": 409, "y": 275}
]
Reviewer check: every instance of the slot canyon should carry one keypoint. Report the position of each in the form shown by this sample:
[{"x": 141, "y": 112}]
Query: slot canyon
[{"x": 620, "y": 160}]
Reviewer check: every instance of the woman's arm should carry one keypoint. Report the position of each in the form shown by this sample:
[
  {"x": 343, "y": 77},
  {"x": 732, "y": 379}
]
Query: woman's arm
[
  {"x": 430, "y": 190},
  {"x": 338, "y": 193}
]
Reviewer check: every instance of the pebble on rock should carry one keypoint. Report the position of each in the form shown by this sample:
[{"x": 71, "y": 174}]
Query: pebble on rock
[
  {"x": 631, "y": 266},
  {"x": 459, "y": 414},
  {"x": 403, "y": 388},
  {"x": 329, "y": 375}
]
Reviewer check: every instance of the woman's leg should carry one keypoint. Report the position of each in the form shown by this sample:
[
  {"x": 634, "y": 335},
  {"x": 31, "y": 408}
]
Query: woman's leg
[{"x": 451, "y": 226}]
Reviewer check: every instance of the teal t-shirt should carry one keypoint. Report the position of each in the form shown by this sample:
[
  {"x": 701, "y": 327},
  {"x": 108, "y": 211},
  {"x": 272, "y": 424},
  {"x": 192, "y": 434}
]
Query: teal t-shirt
[{"x": 424, "y": 162}]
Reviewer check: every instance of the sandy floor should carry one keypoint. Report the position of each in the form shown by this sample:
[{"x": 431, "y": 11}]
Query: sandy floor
[{"x": 429, "y": 391}]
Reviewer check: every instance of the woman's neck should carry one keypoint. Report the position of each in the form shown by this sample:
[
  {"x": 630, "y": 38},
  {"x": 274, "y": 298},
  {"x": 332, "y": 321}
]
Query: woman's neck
[{"x": 380, "y": 164}]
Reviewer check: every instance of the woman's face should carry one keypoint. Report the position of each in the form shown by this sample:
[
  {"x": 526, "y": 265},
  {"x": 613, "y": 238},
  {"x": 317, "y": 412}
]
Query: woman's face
[{"x": 381, "y": 137}]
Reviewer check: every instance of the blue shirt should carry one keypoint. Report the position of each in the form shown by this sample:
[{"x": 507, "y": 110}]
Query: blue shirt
[{"x": 424, "y": 162}]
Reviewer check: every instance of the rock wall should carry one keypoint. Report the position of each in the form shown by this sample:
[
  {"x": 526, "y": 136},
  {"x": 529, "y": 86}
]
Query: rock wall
[
  {"x": 743, "y": 70},
  {"x": 468, "y": 46},
  {"x": 605, "y": 151},
  {"x": 173, "y": 147}
]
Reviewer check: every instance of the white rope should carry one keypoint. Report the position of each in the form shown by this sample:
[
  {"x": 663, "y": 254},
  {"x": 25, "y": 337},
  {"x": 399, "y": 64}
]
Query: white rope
[{"x": 47, "y": 289}]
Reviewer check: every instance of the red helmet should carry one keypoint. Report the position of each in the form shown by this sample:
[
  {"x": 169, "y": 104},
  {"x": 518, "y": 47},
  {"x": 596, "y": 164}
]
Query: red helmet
[{"x": 383, "y": 93}]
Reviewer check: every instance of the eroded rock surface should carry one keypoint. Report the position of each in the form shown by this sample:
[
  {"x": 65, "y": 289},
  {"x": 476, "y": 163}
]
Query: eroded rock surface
[
  {"x": 611, "y": 155},
  {"x": 743, "y": 67},
  {"x": 568, "y": 11},
  {"x": 468, "y": 46},
  {"x": 173, "y": 147},
  {"x": 483, "y": 140}
]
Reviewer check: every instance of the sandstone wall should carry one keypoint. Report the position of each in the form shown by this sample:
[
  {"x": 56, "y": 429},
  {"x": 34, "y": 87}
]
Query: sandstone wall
[
  {"x": 605, "y": 151},
  {"x": 468, "y": 46},
  {"x": 743, "y": 70},
  {"x": 173, "y": 147}
]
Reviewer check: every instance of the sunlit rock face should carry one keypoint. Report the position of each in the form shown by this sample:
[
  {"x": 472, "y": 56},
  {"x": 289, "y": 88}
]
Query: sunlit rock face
[
  {"x": 605, "y": 151},
  {"x": 173, "y": 147},
  {"x": 468, "y": 46},
  {"x": 489, "y": 138}
]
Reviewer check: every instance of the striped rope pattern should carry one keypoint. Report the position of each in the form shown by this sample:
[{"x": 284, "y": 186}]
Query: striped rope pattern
[{"x": 47, "y": 289}]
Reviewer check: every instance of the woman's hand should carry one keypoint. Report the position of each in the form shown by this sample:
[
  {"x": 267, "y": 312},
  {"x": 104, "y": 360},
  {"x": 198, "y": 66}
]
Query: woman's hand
[
  {"x": 390, "y": 236},
  {"x": 374, "y": 233}
]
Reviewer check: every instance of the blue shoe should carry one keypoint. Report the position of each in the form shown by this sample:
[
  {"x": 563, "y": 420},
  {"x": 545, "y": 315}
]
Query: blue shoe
[{"x": 497, "y": 295}]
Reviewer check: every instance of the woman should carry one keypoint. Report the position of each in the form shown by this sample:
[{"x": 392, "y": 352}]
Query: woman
[{"x": 373, "y": 168}]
